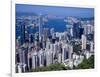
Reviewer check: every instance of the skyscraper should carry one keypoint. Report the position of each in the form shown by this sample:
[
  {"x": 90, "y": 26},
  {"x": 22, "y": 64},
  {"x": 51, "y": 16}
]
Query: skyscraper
[
  {"x": 49, "y": 57},
  {"x": 41, "y": 58},
  {"x": 34, "y": 60},
  {"x": 83, "y": 38},
  {"x": 40, "y": 26},
  {"x": 91, "y": 46},
  {"x": 81, "y": 31},
  {"x": 76, "y": 30},
  {"x": 64, "y": 53},
  {"x": 22, "y": 33}
]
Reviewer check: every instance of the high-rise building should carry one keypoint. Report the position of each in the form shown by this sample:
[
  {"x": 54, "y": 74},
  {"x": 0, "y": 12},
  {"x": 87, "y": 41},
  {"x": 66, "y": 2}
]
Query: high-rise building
[
  {"x": 49, "y": 57},
  {"x": 76, "y": 30},
  {"x": 31, "y": 38},
  {"x": 84, "y": 40},
  {"x": 26, "y": 36},
  {"x": 41, "y": 58},
  {"x": 40, "y": 27},
  {"x": 19, "y": 68},
  {"x": 91, "y": 46},
  {"x": 34, "y": 60},
  {"x": 65, "y": 53},
  {"x": 22, "y": 32},
  {"x": 59, "y": 57},
  {"x": 45, "y": 33},
  {"x": 70, "y": 49},
  {"x": 52, "y": 31},
  {"x": 81, "y": 31},
  {"x": 88, "y": 29}
]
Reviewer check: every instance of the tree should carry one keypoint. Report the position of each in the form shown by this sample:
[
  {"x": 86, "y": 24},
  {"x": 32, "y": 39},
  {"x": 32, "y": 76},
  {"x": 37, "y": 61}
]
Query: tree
[
  {"x": 51, "y": 67},
  {"x": 87, "y": 63}
]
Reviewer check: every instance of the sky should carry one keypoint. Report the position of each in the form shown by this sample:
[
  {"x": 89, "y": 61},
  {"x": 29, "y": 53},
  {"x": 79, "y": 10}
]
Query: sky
[{"x": 55, "y": 10}]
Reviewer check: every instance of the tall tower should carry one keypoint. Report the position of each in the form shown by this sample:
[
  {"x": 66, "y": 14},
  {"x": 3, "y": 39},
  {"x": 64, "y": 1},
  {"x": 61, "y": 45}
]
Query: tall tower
[
  {"x": 22, "y": 32},
  {"x": 40, "y": 27},
  {"x": 83, "y": 42},
  {"x": 76, "y": 30}
]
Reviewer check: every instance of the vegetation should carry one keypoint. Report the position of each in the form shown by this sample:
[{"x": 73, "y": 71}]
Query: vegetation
[
  {"x": 77, "y": 48},
  {"x": 51, "y": 67},
  {"x": 86, "y": 64}
]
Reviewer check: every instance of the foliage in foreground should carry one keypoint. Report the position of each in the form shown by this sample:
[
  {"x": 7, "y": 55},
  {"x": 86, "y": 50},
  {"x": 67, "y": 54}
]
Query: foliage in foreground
[
  {"x": 51, "y": 67},
  {"x": 87, "y": 63}
]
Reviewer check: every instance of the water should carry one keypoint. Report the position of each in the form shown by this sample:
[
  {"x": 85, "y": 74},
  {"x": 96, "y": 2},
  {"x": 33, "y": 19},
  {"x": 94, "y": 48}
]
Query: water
[{"x": 58, "y": 24}]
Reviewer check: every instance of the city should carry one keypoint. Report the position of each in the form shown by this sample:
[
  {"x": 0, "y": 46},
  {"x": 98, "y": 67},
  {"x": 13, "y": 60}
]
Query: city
[{"x": 47, "y": 40}]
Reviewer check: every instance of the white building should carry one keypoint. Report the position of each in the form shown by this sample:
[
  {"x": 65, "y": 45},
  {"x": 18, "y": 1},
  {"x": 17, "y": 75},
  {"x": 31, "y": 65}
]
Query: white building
[
  {"x": 41, "y": 58},
  {"x": 83, "y": 38},
  {"x": 34, "y": 60},
  {"x": 91, "y": 47},
  {"x": 19, "y": 68},
  {"x": 59, "y": 57},
  {"x": 49, "y": 57},
  {"x": 67, "y": 51},
  {"x": 88, "y": 28}
]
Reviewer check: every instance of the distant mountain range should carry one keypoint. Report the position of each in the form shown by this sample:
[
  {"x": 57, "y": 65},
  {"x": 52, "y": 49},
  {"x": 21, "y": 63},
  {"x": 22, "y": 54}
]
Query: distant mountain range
[{"x": 50, "y": 16}]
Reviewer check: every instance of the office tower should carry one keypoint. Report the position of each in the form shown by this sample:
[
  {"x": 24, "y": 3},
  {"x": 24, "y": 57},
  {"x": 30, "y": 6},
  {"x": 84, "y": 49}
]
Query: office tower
[
  {"x": 31, "y": 38},
  {"x": 70, "y": 50},
  {"x": 48, "y": 44},
  {"x": 24, "y": 67},
  {"x": 53, "y": 35},
  {"x": 20, "y": 55},
  {"x": 17, "y": 58},
  {"x": 24, "y": 56},
  {"x": 81, "y": 31},
  {"x": 55, "y": 47},
  {"x": 19, "y": 68},
  {"x": 88, "y": 29},
  {"x": 26, "y": 36},
  {"x": 52, "y": 47},
  {"x": 41, "y": 58},
  {"x": 49, "y": 57},
  {"x": 65, "y": 53},
  {"x": 34, "y": 60},
  {"x": 59, "y": 57},
  {"x": 83, "y": 38},
  {"x": 18, "y": 41},
  {"x": 69, "y": 29},
  {"x": 52, "y": 31},
  {"x": 76, "y": 30},
  {"x": 45, "y": 33},
  {"x": 71, "y": 32},
  {"x": 22, "y": 32},
  {"x": 44, "y": 44},
  {"x": 36, "y": 36},
  {"x": 91, "y": 46},
  {"x": 29, "y": 60},
  {"x": 40, "y": 26},
  {"x": 66, "y": 36}
]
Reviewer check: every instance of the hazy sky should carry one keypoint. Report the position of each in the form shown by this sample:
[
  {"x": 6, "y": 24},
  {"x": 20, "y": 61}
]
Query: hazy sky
[{"x": 64, "y": 11}]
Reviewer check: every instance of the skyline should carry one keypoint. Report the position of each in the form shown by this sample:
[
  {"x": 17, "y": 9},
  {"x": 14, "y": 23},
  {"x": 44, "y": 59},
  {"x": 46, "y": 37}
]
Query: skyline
[
  {"x": 55, "y": 10},
  {"x": 45, "y": 44}
]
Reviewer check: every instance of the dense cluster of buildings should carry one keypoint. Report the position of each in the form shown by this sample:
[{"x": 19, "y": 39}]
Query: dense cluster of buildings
[{"x": 46, "y": 46}]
